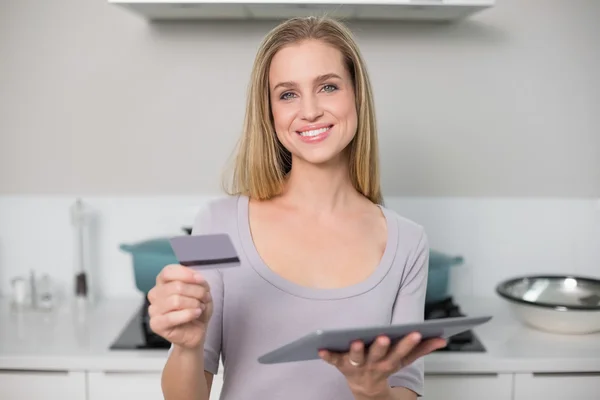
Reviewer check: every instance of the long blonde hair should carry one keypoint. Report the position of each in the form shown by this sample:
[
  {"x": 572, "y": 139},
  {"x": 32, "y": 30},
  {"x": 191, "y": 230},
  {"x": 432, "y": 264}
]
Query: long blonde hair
[{"x": 262, "y": 163}]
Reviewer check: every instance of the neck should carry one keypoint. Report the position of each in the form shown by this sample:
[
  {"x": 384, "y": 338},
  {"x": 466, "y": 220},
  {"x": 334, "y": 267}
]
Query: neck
[{"x": 319, "y": 188}]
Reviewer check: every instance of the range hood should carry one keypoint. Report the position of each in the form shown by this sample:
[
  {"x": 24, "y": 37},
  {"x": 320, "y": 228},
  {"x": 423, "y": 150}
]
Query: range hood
[{"x": 411, "y": 10}]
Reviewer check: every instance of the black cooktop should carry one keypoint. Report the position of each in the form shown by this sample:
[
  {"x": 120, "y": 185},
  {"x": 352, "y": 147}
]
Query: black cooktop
[
  {"x": 138, "y": 335},
  {"x": 463, "y": 342}
]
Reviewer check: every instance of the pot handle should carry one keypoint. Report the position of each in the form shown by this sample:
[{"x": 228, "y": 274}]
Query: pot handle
[
  {"x": 126, "y": 247},
  {"x": 457, "y": 260}
]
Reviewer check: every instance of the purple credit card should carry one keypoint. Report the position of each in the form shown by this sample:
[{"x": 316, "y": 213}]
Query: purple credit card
[{"x": 205, "y": 251}]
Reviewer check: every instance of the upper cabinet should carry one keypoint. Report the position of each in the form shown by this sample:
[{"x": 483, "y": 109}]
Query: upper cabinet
[{"x": 410, "y": 10}]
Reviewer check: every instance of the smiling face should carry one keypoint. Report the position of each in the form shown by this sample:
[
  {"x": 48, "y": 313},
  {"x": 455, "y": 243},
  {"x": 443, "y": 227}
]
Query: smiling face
[{"x": 312, "y": 101}]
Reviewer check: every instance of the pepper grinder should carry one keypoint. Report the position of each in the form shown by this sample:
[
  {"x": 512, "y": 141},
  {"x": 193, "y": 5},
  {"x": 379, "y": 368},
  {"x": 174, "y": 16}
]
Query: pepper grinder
[
  {"x": 33, "y": 290},
  {"x": 79, "y": 222}
]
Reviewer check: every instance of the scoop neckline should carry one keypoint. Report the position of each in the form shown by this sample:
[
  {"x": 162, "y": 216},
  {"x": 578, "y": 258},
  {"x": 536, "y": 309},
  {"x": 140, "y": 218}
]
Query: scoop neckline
[{"x": 298, "y": 290}]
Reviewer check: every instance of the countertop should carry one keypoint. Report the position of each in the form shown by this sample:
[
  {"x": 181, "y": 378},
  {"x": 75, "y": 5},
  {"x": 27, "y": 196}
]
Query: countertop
[
  {"x": 78, "y": 339},
  {"x": 73, "y": 337}
]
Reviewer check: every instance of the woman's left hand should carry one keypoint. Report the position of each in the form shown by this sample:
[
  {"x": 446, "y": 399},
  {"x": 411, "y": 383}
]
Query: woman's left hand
[{"x": 367, "y": 372}]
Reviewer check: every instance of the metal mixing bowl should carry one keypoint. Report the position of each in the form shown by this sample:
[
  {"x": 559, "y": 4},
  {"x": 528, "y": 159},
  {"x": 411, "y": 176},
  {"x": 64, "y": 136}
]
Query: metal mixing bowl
[{"x": 554, "y": 303}]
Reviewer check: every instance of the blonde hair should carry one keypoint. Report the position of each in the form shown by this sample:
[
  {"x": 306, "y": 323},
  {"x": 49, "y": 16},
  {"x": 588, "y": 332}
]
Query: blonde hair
[{"x": 262, "y": 163}]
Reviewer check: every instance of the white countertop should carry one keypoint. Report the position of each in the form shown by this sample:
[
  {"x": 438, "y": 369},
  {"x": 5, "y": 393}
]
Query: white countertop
[
  {"x": 512, "y": 347},
  {"x": 68, "y": 340},
  {"x": 71, "y": 338}
]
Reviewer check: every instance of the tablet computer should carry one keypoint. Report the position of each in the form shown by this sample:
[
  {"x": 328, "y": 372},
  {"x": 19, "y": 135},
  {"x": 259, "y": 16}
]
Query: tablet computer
[{"x": 307, "y": 347}]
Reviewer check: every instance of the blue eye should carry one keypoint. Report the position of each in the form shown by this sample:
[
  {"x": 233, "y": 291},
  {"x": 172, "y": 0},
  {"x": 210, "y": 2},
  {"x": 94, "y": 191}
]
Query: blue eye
[
  {"x": 330, "y": 88},
  {"x": 286, "y": 96}
]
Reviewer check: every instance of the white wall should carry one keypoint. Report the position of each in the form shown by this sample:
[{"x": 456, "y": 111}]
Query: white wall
[
  {"x": 498, "y": 237},
  {"x": 490, "y": 131},
  {"x": 96, "y": 101}
]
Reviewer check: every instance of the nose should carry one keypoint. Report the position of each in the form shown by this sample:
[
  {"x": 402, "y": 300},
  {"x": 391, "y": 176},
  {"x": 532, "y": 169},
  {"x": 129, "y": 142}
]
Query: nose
[{"x": 311, "y": 110}]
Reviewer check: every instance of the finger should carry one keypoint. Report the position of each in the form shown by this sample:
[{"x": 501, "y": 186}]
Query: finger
[
  {"x": 170, "y": 320},
  {"x": 423, "y": 349},
  {"x": 403, "y": 348},
  {"x": 330, "y": 357},
  {"x": 379, "y": 349},
  {"x": 192, "y": 290},
  {"x": 176, "y": 272},
  {"x": 153, "y": 311},
  {"x": 152, "y": 294},
  {"x": 357, "y": 353},
  {"x": 176, "y": 302}
]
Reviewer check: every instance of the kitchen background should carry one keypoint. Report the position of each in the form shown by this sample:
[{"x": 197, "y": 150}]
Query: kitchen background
[{"x": 490, "y": 133}]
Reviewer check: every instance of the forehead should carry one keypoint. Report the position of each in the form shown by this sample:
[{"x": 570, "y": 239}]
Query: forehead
[{"x": 302, "y": 62}]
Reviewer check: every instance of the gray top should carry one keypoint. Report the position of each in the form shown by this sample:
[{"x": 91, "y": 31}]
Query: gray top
[{"x": 256, "y": 310}]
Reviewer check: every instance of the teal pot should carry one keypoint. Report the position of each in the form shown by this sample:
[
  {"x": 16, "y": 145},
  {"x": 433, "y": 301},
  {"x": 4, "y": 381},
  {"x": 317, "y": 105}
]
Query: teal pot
[
  {"x": 149, "y": 258},
  {"x": 439, "y": 275}
]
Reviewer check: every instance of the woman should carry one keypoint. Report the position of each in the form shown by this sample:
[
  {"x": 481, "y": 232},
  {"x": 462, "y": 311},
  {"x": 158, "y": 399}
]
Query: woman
[{"x": 317, "y": 248}]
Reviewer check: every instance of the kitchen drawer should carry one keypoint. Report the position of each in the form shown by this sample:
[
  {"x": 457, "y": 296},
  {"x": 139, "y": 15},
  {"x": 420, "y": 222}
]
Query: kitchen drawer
[
  {"x": 558, "y": 386},
  {"x": 118, "y": 385},
  {"x": 467, "y": 386},
  {"x": 42, "y": 385}
]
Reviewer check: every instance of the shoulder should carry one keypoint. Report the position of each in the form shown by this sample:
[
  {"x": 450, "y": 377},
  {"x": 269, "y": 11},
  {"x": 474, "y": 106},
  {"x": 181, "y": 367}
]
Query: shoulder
[
  {"x": 222, "y": 204},
  {"x": 216, "y": 214},
  {"x": 411, "y": 236}
]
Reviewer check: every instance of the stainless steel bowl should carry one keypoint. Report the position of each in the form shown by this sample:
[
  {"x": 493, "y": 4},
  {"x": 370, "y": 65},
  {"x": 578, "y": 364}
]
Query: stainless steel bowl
[{"x": 554, "y": 303}]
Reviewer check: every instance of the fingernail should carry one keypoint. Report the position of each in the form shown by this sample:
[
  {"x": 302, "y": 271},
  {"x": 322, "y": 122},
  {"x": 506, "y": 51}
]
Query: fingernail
[
  {"x": 417, "y": 337},
  {"x": 202, "y": 306},
  {"x": 198, "y": 277},
  {"x": 198, "y": 311}
]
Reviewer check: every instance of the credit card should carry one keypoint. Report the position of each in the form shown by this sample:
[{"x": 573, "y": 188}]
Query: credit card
[{"x": 205, "y": 251}]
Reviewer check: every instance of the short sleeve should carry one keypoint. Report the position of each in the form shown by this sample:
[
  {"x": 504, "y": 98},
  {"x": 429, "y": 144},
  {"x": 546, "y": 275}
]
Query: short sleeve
[
  {"x": 212, "y": 345},
  {"x": 410, "y": 307}
]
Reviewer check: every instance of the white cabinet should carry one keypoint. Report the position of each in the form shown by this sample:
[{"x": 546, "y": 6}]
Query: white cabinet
[
  {"x": 217, "y": 385},
  {"x": 557, "y": 386},
  {"x": 118, "y": 385},
  {"x": 42, "y": 385},
  {"x": 465, "y": 386}
]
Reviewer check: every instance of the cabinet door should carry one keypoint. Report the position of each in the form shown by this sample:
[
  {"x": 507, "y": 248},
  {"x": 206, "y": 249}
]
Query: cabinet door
[
  {"x": 558, "y": 386},
  {"x": 118, "y": 385},
  {"x": 468, "y": 386},
  {"x": 41, "y": 385},
  {"x": 217, "y": 385}
]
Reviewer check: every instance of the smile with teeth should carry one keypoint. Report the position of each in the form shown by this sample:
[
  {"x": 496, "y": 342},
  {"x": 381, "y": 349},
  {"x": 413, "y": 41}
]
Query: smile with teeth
[{"x": 314, "y": 132}]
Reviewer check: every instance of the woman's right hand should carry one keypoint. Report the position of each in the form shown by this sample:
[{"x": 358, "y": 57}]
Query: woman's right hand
[{"x": 180, "y": 306}]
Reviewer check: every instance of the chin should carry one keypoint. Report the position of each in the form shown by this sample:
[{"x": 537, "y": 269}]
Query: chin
[{"x": 325, "y": 156}]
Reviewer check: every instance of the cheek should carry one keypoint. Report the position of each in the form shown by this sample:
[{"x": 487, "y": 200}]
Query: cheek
[
  {"x": 346, "y": 111},
  {"x": 282, "y": 116}
]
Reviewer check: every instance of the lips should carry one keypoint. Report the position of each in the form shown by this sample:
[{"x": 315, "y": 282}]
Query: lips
[{"x": 314, "y": 133}]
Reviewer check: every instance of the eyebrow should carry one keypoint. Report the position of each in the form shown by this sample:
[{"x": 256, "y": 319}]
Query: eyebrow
[{"x": 318, "y": 79}]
